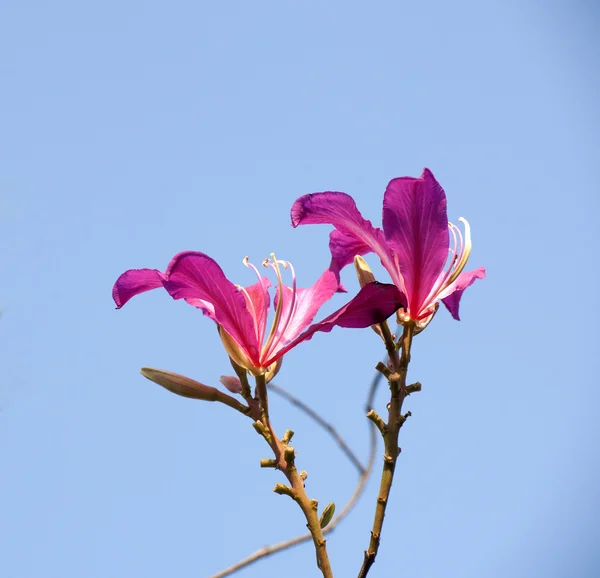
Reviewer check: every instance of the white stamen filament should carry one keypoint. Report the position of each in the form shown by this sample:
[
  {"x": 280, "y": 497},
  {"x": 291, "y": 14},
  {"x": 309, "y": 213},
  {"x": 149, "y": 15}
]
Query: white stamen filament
[
  {"x": 275, "y": 266},
  {"x": 460, "y": 251},
  {"x": 277, "y": 328},
  {"x": 465, "y": 251},
  {"x": 292, "y": 307}
]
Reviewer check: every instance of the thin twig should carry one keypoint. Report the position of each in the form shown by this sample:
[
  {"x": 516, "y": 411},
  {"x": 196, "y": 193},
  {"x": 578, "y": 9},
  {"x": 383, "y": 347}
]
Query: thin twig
[
  {"x": 365, "y": 472},
  {"x": 322, "y": 422}
]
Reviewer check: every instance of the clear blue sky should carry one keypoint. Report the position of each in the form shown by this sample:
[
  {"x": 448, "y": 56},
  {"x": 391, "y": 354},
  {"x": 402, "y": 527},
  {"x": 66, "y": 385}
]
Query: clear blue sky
[{"x": 130, "y": 131}]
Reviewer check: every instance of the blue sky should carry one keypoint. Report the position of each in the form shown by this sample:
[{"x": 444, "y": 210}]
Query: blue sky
[{"x": 132, "y": 131}]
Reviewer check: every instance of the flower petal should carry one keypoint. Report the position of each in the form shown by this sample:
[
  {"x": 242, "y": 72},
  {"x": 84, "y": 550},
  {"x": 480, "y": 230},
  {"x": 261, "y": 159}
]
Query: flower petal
[
  {"x": 344, "y": 248},
  {"x": 374, "y": 303},
  {"x": 134, "y": 282},
  {"x": 193, "y": 275},
  {"x": 415, "y": 223},
  {"x": 452, "y": 294},
  {"x": 355, "y": 236},
  {"x": 260, "y": 301},
  {"x": 308, "y": 302}
]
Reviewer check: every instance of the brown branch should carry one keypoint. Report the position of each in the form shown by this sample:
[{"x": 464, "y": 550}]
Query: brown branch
[
  {"x": 398, "y": 392},
  {"x": 364, "y": 471},
  {"x": 286, "y": 462}
]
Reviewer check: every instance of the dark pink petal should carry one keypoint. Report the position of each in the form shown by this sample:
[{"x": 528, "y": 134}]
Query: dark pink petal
[
  {"x": 343, "y": 248},
  {"x": 416, "y": 227},
  {"x": 193, "y": 275},
  {"x": 134, "y": 282},
  {"x": 308, "y": 302},
  {"x": 374, "y": 303},
  {"x": 456, "y": 289},
  {"x": 356, "y": 235}
]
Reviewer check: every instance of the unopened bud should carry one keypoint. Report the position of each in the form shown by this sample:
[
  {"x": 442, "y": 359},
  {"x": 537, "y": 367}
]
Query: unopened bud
[
  {"x": 180, "y": 384},
  {"x": 365, "y": 276},
  {"x": 233, "y": 384},
  {"x": 363, "y": 271},
  {"x": 327, "y": 514}
]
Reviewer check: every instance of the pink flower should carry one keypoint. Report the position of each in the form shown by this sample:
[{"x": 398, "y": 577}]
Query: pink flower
[
  {"x": 241, "y": 313},
  {"x": 424, "y": 254}
]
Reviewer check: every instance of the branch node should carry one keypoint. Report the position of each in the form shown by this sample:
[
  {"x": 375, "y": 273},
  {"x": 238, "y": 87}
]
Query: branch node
[
  {"x": 282, "y": 490},
  {"x": 383, "y": 369},
  {"x": 268, "y": 463},
  {"x": 388, "y": 459},
  {"x": 287, "y": 436},
  {"x": 290, "y": 456},
  {"x": 262, "y": 430},
  {"x": 413, "y": 387},
  {"x": 403, "y": 418},
  {"x": 376, "y": 419}
]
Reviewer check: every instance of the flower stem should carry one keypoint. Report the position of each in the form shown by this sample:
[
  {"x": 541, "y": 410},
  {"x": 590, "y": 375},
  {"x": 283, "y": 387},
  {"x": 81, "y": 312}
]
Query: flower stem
[
  {"x": 398, "y": 392},
  {"x": 363, "y": 470},
  {"x": 263, "y": 399},
  {"x": 285, "y": 457}
]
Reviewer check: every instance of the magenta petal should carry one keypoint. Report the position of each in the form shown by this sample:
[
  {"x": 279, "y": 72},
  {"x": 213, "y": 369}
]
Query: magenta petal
[
  {"x": 192, "y": 275},
  {"x": 134, "y": 282},
  {"x": 343, "y": 248},
  {"x": 356, "y": 235},
  {"x": 206, "y": 307},
  {"x": 456, "y": 289},
  {"x": 416, "y": 227},
  {"x": 374, "y": 303},
  {"x": 308, "y": 303}
]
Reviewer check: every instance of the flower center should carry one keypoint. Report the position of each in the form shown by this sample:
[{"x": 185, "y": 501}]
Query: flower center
[
  {"x": 456, "y": 268},
  {"x": 264, "y": 291},
  {"x": 458, "y": 255},
  {"x": 277, "y": 328}
]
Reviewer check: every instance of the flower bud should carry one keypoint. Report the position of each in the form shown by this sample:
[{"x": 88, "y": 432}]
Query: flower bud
[
  {"x": 365, "y": 276},
  {"x": 233, "y": 384},
  {"x": 363, "y": 271},
  {"x": 179, "y": 384},
  {"x": 327, "y": 514}
]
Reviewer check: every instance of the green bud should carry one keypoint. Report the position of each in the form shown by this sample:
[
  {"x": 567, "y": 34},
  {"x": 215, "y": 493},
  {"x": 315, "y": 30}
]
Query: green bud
[{"x": 327, "y": 514}]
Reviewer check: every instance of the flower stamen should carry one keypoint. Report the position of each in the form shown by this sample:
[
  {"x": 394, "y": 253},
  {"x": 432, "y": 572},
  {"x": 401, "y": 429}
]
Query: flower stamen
[
  {"x": 279, "y": 327},
  {"x": 274, "y": 264},
  {"x": 464, "y": 252},
  {"x": 292, "y": 306}
]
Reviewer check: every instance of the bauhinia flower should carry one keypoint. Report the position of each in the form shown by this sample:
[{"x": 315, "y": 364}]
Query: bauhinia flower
[
  {"x": 241, "y": 313},
  {"x": 424, "y": 254}
]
